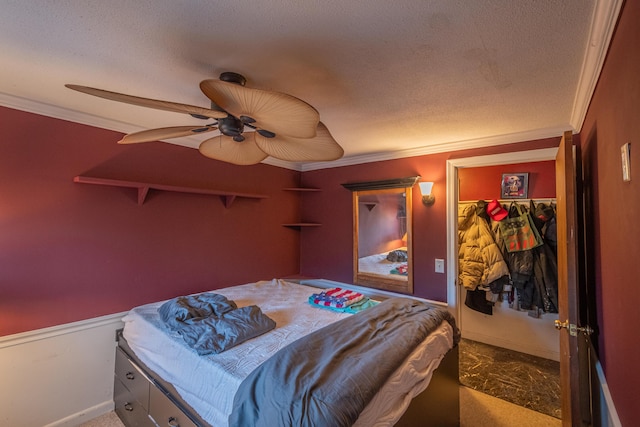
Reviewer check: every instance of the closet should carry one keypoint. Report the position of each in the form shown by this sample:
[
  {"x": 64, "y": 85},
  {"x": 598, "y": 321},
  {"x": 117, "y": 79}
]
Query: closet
[
  {"x": 528, "y": 329},
  {"x": 497, "y": 350}
]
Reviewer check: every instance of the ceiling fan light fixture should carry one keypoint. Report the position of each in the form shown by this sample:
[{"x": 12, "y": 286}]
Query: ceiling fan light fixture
[
  {"x": 230, "y": 126},
  {"x": 277, "y": 124}
]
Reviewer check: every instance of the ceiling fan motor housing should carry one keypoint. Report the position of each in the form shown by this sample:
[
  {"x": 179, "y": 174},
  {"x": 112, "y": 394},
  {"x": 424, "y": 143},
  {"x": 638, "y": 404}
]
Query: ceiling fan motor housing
[
  {"x": 231, "y": 77},
  {"x": 231, "y": 126}
]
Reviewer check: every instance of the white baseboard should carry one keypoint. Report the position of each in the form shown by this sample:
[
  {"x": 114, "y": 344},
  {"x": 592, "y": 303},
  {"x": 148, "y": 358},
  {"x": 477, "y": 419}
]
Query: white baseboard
[
  {"x": 83, "y": 416},
  {"x": 522, "y": 348}
]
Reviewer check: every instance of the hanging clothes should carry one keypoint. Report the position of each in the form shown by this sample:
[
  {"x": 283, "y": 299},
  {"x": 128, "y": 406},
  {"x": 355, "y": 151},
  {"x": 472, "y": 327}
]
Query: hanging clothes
[
  {"x": 545, "y": 256},
  {"x": 480, "y": 261}
]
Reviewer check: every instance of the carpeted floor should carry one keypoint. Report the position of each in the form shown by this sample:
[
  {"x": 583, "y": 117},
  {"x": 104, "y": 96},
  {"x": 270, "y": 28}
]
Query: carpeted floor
[
  {"x": 109, "y": 419},
  {"x": 481, "y": 410},
  {"x": 528, "y": 381}
]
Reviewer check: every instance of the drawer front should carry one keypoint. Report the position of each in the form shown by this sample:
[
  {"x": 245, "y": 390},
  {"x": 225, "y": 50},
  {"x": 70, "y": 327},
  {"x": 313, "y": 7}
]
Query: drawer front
[
  {"x": 164, "y": 412},
  {"x": 128, "y": 409},
  {"x": 132, "y": 378}
]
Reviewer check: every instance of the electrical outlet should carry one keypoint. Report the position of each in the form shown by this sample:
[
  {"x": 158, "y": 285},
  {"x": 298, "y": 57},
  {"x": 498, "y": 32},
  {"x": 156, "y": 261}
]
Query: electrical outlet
[{"x": 439, "y": 265}]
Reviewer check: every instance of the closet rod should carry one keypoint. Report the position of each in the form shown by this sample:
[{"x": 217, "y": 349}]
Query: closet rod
[{"x": 506, "y": 201}]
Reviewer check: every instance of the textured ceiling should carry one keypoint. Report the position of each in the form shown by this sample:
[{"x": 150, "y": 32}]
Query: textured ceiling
[{"x": 385, "y": 76}]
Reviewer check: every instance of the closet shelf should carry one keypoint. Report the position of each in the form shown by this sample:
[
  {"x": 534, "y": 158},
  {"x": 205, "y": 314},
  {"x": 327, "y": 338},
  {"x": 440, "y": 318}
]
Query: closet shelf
[{"x": 143, "y": 188}]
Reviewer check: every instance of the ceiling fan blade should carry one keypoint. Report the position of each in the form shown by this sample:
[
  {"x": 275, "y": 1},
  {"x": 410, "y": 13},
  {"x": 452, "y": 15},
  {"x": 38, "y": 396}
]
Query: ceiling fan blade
[
  {"x": 151, "y": 103},
  {"x": 224, "y": 148},
  {"x": 277, "y": 112},
  {"x": 164, "y": 133},
  {"x": 321, "y": 148}
]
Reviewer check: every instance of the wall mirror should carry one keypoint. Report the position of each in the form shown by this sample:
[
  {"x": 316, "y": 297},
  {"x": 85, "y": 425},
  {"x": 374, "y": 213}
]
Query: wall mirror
[{"x": 382, "y": 234}]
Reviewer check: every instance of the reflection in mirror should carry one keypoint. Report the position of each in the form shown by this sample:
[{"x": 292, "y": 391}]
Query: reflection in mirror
[{"x": 382, "y": 253}]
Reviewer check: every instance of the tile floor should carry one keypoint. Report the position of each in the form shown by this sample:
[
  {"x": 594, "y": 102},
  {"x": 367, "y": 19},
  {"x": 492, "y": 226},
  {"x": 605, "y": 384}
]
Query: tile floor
[{"x": 528, "y": 381}]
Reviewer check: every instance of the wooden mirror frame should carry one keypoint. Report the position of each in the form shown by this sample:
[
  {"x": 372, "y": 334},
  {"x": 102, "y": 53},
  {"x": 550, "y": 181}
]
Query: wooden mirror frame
[{"x": 383, "y": 187}]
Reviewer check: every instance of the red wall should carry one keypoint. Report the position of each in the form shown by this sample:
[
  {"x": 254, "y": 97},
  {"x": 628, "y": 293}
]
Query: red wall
[
  {"x": 484, "y": 183},
  {"x": 613, "y": 229},
  {"x": 74, "y": 251},
  {"x": 327, "y": 251}
]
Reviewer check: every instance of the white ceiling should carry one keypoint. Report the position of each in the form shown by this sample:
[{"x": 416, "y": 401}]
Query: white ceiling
[{"x": 389, "y": 78}]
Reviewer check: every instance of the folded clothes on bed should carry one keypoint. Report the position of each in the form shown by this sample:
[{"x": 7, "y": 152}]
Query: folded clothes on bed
[
  {"x": 336, "y": 298},
  {"x": 210, "y": 323},
  {"x": 352, "y": 308},
  {"x": 185, "y": 309},
  {"x": 401, "y": 270}
]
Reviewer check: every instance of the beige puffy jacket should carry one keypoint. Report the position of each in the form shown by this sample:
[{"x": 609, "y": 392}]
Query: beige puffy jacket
[{"x": 480, "y": 261}]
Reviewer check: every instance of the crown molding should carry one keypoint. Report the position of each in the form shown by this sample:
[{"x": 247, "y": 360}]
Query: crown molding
[
  {"x": 441, "y": 148},
  {"x": 605, "y": 17}
]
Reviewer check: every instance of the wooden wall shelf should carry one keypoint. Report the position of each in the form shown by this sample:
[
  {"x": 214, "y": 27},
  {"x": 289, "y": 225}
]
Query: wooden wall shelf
[
  {"x": 301, "y": 189},
  {"x": 143, "y": 188},
  {"x": 302, "y": 224}
]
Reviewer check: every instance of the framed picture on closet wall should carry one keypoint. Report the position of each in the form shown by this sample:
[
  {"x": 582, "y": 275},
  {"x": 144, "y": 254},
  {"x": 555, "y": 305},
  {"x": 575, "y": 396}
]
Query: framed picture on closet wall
[{"x": 515, "y": 185}]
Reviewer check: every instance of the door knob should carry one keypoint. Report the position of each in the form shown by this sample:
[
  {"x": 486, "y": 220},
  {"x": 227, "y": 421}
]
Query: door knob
[
  {"x": 561, "y": 325},
  {"x": 573, "y": 329}
]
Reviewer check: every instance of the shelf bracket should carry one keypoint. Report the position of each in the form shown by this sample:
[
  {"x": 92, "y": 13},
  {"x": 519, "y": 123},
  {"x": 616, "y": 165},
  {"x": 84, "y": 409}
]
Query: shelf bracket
[
  {"x": 142, "y": 194},
  {"x": 227, "y": 200}
]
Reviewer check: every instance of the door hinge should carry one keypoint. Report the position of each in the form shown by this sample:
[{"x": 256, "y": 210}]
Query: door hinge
[{"x": 573, "y": 329}]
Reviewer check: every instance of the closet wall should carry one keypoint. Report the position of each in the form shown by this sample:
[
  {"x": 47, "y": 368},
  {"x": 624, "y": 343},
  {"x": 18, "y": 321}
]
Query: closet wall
[{"x": 507, "y": 327}]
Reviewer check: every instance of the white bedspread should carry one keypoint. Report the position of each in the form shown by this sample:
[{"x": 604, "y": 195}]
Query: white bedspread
[{"x": 209, "y": 383}]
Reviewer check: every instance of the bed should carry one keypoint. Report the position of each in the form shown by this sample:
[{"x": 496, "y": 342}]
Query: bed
[{"x": 159, "y": 377}]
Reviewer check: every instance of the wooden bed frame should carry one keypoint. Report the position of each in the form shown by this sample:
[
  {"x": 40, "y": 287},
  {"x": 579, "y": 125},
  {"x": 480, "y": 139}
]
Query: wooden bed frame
[{"x": 141, "y": 396}]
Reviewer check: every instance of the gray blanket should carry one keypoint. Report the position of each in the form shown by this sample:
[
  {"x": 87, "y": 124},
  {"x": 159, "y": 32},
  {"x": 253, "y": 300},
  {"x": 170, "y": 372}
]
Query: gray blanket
[
  {"x": 210, "y": 323},
  {"x": 328, "y": 377}
]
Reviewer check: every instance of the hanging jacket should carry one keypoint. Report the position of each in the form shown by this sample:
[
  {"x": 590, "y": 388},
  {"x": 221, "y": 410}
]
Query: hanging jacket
[
  {"x": 480, "y": 261},
  {"x": 520, "y": 263}
]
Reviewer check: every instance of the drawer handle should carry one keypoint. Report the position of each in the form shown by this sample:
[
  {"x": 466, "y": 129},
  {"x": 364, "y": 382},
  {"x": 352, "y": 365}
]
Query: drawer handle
[
  {"x": 129, "y": 375},
  {"x": 128, "y": 407},
  {"x": 173, "y": 422}
]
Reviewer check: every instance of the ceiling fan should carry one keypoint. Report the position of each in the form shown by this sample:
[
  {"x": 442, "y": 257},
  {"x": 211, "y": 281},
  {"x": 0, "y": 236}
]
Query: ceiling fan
[{"x": 252, "y": 124}]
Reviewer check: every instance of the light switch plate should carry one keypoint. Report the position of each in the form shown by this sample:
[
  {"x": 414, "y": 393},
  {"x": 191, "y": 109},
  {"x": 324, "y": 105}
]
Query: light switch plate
[
  {"x": 626, "y": 162},
  {"x": 439, "y": 265}
]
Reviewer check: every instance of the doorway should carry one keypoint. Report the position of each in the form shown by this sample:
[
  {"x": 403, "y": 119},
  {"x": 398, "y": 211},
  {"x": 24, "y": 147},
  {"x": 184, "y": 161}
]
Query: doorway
[{"x": 526, "y": 343}]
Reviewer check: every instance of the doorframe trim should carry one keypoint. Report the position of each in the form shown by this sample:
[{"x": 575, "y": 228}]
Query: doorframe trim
[{"x": 453, "y": 165}]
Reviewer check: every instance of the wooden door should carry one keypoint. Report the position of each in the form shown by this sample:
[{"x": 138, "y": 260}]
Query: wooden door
[{"x": 574, "y": 375}]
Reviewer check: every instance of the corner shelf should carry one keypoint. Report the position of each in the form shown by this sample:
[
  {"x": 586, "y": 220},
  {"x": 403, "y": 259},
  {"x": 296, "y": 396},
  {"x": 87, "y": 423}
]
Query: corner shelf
[
  {"x": 303, "y": 224},
  {"x": 301, "y": 189},
  {"x": 143, "y": 188}
]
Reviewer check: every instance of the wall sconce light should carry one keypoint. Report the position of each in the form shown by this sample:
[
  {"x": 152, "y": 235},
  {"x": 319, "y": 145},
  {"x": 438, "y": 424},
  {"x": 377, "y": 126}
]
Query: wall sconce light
[{"x": 427, "y": 198}]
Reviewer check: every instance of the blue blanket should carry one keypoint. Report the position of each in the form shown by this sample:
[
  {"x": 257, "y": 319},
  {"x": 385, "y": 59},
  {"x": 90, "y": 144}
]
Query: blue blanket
[
  {"x": 328, "y": 377},
  {"x": 210, "y": 323}
]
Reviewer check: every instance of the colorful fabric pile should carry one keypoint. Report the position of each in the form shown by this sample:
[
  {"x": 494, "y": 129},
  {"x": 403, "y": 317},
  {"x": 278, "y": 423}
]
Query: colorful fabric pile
[
  {"x": 337, "y": 298},
  {"x": 343, "y": 300},
  {"x": 401, "y": 270}
]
